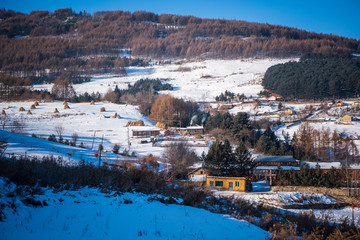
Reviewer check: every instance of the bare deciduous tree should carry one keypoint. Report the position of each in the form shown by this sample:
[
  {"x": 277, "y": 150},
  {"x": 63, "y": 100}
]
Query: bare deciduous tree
[
  {"x": 181, "y": 157},
  {"x": 3, "y": 120},
  {"x": 3, "y": 146},
  {"x": 59, "y": 130},
  {"x": 63, "y": 89},
  {"x": 74, "y": 138},
  {"x": 19, "y": 125}
]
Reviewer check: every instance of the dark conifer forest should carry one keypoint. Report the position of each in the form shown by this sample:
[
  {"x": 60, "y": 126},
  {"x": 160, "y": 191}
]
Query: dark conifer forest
[{"x": 316, "y": 76}]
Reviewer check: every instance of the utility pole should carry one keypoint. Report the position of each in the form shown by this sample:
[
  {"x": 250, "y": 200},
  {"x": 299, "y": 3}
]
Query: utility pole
[
  {"x": 92, "y": 145},
  {"x": 128, "y": 138},
  {"x": 100, "y": 149}
]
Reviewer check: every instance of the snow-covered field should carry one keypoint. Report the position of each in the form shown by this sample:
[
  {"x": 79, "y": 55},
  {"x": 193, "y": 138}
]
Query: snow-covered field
[
  {"x": 197, "y": 81},
  {"x": 89, "y": 214},
  {"x": 92, "y": 126},
  {"x": 83, "y": 119}
]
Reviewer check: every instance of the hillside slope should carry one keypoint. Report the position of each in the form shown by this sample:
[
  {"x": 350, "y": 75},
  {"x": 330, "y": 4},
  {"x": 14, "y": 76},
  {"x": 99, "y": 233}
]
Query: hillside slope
[{"x": 52, "y": 41}]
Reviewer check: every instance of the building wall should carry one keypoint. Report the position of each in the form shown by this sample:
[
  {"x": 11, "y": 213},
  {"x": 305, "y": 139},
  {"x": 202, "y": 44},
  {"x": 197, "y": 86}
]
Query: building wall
[
  {"x": 195, "y": 131},
  {"x": 145, "y": 133},
  {"x": 239, "y": 184},
  {"x": 200, "y": 171}
]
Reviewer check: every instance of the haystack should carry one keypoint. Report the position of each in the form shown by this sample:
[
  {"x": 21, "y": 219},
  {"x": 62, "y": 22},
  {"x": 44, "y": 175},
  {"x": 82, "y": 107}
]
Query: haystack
[
  {"x": 3, "y": 112},
  {"x": 28, "y": 112},
  {"x": 115, "y": 115},
  {"x": 102, "y": 109},
  {"x": 36, "y": 103},
  {"x": 56, "y": 110},
  {"x": 161, "y": 125},
  {"x": 66, "y": 106},
  {"x": 64, "y": 103},
  {"x": 92, "y": 102},
  {"x": 137, "y": 123},
  {"x": 33, "y": 106},
  {"x": 21, "y": 109}
]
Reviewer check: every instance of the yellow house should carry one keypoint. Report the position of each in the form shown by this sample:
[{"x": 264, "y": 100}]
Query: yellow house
[
  {"x": 227, "y": 183},
  {"x": 289, "y": 112},
  {"x": 346, "y": 118}
]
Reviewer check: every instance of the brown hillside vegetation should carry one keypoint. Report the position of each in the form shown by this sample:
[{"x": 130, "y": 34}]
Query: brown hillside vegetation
[{"x": 83, "y": 44}]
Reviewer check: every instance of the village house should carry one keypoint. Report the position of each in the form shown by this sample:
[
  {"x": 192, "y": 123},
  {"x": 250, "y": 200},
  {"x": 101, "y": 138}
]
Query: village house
[
  {"x": 240, "y": 184},
  {"x": 266, "y": 166},
  {"x": 145, "y": 131},
  {"x": 289, "y": 112},
  {"x": 197, "y": 175},
  {"x": 326, "y": 166},
  {"x": 195, "y": 130}
]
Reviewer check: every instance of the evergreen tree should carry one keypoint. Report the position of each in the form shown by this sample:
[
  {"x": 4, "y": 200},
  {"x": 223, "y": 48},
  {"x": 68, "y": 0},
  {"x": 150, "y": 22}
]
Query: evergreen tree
[
  {"x": 243, "y": 163},
  {"x": 116, "y": 149},
  {"x": 214, "y": 158},
  {"x": 228, "y": 158}
]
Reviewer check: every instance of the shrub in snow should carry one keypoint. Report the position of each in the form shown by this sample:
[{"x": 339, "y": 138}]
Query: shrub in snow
[
  {"x": 116, "y": 149},
  {"x": 52, "y": 138}
]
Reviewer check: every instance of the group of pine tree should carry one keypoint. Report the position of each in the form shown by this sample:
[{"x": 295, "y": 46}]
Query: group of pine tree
[{"x": 316, "y": 76}]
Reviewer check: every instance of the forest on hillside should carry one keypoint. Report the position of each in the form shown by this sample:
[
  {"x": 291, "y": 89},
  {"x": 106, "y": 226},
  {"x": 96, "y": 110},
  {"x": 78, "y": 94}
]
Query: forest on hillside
[
  {"x": 316, "y": 76},
  {"x": 50, "y": 43}
]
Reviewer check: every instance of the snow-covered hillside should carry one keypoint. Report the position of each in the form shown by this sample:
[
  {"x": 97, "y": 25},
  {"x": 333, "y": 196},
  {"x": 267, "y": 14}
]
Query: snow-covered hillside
[
  {"x": 197, "y": 81},
  {"x": 89, "y": 214},
  {"x": 92, "y": 126}
]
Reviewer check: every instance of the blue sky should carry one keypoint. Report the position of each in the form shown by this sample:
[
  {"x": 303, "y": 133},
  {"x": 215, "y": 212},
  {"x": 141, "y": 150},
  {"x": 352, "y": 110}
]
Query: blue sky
[{"x": 340, "y": 17}]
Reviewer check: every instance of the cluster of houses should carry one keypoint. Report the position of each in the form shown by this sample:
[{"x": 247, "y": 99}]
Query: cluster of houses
[{"x": 265, "y": 168}]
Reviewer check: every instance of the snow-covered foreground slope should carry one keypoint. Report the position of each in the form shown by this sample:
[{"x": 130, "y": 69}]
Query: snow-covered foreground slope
[
  {"x": 197, "y": 81},
  {"x": 90, "y": 214}
]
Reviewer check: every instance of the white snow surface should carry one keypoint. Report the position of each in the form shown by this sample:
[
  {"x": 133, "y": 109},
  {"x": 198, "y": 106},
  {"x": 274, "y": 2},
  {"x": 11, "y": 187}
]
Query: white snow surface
[
  {"x": 279, "y": 199},
  {"x": 92, "y": 126},
  {"x": 201, "y": 81},
  {"x": 89, "y": 214}
]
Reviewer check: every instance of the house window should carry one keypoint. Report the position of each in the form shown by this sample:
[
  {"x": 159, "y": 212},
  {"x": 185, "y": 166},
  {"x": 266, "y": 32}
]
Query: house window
[
  {"x": 201, "y": 172},
  {"x": 237, "y": 184},
  {"x": 219, "y": 183}
]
